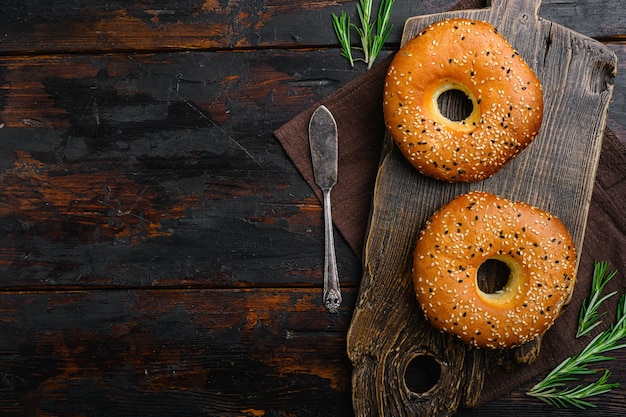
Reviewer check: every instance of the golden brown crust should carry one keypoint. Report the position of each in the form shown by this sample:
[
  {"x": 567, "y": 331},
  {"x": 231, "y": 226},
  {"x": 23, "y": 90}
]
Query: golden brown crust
[
  {"x": 478, "y": 226},
  {"x": 470, "y": 56}
]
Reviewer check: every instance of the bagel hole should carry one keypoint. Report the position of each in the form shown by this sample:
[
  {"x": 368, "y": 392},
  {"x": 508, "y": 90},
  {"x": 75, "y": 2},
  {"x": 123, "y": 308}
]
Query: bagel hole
[
  {"x": 493, "y": 276},
  {"x": 455, "y": 105},
  {"x": 422, "y": 374}
]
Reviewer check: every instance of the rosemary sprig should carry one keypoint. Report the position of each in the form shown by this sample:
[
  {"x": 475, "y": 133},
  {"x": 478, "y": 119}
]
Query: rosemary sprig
[
  {"x": 364, "y": 8},
  {"x": 342, "y": 29},
  {"x": 576, "y": 396},
  {"x": 589, "y": 317},
  {"x": 383, "y": 29},
  {"x": 552, "y": 389},
  {"x": 372, "y": 34}
]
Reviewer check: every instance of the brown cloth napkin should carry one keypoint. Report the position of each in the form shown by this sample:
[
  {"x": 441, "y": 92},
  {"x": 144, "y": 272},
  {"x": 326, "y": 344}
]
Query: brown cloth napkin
[{"x": 357, "y": 108}]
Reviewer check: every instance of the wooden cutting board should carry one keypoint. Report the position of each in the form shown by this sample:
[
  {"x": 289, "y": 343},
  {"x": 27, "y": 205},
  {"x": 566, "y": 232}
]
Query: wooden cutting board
[{"x": 388, "y": 333}]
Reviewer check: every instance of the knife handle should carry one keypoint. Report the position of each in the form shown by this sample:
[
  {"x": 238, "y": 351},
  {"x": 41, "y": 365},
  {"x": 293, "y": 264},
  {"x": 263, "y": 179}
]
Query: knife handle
[{"x": 332, "y": 292}]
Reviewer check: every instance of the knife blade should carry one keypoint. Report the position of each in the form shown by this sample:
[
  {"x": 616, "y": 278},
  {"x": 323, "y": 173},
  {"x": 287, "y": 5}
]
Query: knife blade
[{"x": 323, "y": 142}]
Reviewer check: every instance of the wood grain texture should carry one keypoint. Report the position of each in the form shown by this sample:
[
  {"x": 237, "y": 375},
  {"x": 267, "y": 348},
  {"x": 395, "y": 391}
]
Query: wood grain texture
[
  {"x": 617, "y": 109},
  {"x": 153, "y": 170},
  {"x": 177, "y": 352},
  {"x": 159, "y": 253},
  {"x": 190, "y": 352},
  {"x": 555, "y": 173},
  {"x": 67, "y": 26}
]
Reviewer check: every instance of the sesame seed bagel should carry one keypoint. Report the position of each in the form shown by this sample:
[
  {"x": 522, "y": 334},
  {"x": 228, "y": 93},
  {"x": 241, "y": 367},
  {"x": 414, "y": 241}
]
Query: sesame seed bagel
[
  {"x": 476, "y": 227},
  {"x": 472, "y": 57}
]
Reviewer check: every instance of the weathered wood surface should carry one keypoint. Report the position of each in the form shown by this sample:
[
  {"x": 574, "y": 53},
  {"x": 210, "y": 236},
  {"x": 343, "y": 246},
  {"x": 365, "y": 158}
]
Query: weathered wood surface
[
  {"x": 148, "y": 170},
  {"x": 159, "y": 254},
  {"x": 173, "y": 353},
  {"x": 62, "y": 26}
]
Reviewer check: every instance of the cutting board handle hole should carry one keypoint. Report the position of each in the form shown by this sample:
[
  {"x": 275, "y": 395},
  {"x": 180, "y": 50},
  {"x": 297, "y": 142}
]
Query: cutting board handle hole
[
  {"x": 422, "y": 373},
  {"x": 493, "y": 276},
  {"x": 455, "y": 105}
]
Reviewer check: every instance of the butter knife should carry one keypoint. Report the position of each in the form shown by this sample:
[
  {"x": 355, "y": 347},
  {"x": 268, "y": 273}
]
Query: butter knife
[{"x": 323, "y": 142}]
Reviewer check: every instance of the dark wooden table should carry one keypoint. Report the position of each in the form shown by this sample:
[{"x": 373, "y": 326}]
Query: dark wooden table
[{"x": 160, "y": 255}]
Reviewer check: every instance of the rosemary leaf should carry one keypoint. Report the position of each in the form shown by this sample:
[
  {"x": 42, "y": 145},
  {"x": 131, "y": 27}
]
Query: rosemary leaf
[
  {"x": 364, "y": 8},
  {"x": 576, "y": 396},
  {"x": 372, "y": 34},
  {"x": 383, "y": 30},
  {"x": 589, "y": 317},
  {"x": 342, "y": 30},
  {"x": 553, "y": 390}
]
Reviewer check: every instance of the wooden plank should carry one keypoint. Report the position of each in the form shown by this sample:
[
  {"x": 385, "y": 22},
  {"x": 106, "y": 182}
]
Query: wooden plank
[
  {"x": 594, "y": 18},
  {"x": 164, "y": 353},
  {"x": 259, "y": 352},
  {"x": 616, "y": 120},
  {"x": 160, "y": 169},
  {"x": 116, "y": 25},
  {"x": 50, "y": 27},
  {"x": 555, "y": 173}
]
